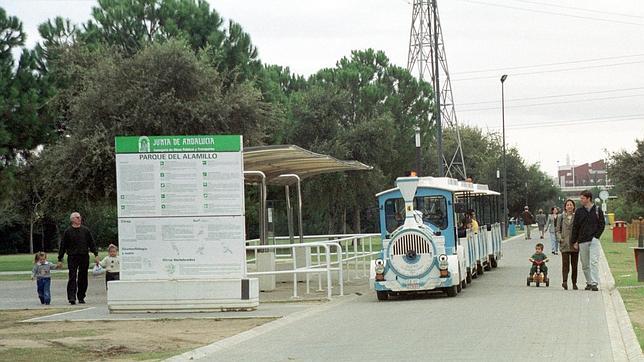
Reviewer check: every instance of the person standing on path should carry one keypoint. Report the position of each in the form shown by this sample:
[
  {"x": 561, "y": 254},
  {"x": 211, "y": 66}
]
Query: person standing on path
[
  {"x": 569, "y": 253},
  {"x": 77, "y": 242},
  {"x": 587, "y": 227},
  {"x": 541, "y": 221},
  {"x": 528, "y": 219},
  {"x": 551, "y": 227}
]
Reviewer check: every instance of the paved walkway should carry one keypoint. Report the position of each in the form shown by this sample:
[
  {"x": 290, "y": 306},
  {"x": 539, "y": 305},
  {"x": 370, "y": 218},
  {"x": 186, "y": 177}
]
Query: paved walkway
[{"x": 496, "y": 318}]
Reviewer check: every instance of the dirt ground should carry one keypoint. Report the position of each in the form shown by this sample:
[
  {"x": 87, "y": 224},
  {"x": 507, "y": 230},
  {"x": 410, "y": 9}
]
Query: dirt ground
[{"x": 108, "y": 340}]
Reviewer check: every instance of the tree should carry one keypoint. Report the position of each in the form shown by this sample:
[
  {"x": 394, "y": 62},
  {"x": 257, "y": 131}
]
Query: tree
[
  {"x": 163, "y": 89},
  {"x": 129, "y": 26},
  {"x": 23, "y": 124},
  {"x": 364, "y": 109},
  {"x": 626, "y": 171}
]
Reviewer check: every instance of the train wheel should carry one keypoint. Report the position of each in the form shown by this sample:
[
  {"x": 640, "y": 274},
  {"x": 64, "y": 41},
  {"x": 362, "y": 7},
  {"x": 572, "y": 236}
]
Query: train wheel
[
  {"x": 494, "y": 263},
  {"x": 487, "y": 266},
  {"x": 451, "y": 291},
  {"x": 479, "y": 269},
  {"x": 459, "y": 287},
  {"x": 469, "y": 277},
  {"x": 464, "y": 284},
  {"x": 382, "y": 295}
]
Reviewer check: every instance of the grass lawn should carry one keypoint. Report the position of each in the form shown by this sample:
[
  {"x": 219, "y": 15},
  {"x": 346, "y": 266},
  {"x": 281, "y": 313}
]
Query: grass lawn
[
  {"x": 622, "y": 265},
  {"x": 19, "y": 262}
]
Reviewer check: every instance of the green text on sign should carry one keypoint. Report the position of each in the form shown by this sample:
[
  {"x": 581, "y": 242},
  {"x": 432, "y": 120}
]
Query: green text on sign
[{"x": 200, "y": 143}]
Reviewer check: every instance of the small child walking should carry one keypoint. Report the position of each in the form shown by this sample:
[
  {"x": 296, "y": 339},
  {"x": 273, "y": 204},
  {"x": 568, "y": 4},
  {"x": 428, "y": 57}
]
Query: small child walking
[
  {"x": 111, "y": 264},
  {"x": 42, "y": 273}
]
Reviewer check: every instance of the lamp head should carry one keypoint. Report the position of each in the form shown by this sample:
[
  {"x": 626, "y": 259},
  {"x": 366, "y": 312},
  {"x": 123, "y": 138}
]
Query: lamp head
[{"x": 504, "y": 77}]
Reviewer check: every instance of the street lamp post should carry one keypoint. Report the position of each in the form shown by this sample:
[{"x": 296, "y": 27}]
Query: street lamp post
[
  {"x": 505, "y": 168},
  {"x": 498, "y": 206},
  {"x": 418, "y": 160}
]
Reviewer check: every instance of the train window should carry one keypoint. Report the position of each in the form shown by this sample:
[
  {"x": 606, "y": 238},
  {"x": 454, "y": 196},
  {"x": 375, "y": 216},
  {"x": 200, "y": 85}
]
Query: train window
[
  {"x": 394, "y": 213},
  {"x": 434, "y": 209}
]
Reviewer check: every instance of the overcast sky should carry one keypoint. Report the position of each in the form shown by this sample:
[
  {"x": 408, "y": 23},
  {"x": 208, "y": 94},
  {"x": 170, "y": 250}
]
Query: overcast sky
[{"x": 580, "y": 63}]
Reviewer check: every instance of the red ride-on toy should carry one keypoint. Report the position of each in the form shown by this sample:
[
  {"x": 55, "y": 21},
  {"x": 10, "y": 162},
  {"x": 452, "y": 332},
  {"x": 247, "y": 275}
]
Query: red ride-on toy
[{"x": 538, "y": 276}]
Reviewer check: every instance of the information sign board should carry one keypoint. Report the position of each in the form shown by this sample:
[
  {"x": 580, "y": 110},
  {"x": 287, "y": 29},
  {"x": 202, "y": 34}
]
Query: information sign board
[{"x": 180, "y": 207}]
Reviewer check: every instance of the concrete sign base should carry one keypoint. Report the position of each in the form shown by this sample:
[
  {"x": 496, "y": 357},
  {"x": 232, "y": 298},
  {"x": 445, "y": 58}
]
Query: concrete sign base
[{"x": 183, "y": 295}]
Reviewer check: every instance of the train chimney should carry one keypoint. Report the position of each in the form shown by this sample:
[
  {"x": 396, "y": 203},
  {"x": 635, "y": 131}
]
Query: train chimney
[{"x": 407, "y": 187}]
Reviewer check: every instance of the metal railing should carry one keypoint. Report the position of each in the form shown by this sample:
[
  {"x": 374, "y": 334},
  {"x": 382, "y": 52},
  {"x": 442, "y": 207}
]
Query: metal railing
[
  {"x": 308, "y": 268},
  {"x": 349, "y": 249}
]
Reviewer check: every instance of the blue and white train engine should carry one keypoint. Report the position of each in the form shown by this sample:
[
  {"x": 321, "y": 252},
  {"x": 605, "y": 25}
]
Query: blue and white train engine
[{"x": 413, "y": 257}]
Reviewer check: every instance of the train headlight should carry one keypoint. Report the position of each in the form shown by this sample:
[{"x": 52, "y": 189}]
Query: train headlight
[
  {"x": 442, "y": 262},
  {"x": 380, "y": 266}
]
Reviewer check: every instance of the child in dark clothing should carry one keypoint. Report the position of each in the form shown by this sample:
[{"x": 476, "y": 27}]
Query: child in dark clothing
[
  {"x": 42, "y": 273},
  {"x": 538, "y": 257}
]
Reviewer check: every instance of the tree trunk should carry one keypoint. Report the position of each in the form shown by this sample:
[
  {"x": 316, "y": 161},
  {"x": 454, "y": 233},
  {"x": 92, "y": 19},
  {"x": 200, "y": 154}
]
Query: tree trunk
[
  {"x": 42, "y": 236},
  {"x": 356, "y": 221},
  {"x": 31, "y": 236},
  {"x": 344, "y": 220}
]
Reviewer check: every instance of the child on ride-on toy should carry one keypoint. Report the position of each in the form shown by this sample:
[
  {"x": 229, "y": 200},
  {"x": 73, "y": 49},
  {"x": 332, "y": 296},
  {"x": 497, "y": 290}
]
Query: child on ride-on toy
[{"x": 539, "y": 270}]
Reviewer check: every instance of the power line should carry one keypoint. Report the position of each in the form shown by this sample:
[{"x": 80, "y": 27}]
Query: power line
[
  {"x": 555, "y": 96},
  {"x": 582, "y": 9},
  {"x": 574, "y": 121},
  {"x": 550, "y": 64},
  {"x": 554, "y": 13},
  {"x": 550, "y": 71},
  {"x": 550, "y": 103}
]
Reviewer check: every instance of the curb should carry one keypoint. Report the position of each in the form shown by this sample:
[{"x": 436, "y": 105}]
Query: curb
[{"x": 623, "y": 340}]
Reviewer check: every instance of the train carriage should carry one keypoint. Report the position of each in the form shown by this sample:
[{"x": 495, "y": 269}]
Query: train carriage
[{"x": 424, "y": 245}]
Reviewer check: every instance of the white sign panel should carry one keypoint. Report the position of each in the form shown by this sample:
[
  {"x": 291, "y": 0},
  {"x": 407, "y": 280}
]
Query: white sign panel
[
  {"x": 180, "y": 207},
  {"x": 176, "y": 184},
  {"x": 182, "y": 248}
]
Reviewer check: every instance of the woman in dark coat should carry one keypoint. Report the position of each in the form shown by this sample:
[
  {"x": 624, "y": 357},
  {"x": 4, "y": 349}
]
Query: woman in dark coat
[{"x": 569, "y": 254}]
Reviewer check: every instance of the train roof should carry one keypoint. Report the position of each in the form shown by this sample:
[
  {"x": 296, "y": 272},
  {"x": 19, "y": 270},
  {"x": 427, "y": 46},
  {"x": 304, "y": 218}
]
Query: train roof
[{"x": 448, "y": 184}]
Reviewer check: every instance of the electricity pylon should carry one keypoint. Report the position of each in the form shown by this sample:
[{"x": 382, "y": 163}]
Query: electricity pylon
[{"x": 426, "y": 58}]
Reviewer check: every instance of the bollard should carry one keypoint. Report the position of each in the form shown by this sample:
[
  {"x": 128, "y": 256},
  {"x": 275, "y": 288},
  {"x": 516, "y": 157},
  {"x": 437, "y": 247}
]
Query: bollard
[
  {"x": 639, "y": 253},
  {"x": 620, "y": 232},
  {"x": 640, "y": 242}
]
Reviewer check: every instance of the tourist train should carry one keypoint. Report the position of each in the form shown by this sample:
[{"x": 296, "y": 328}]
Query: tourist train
[{"x": 428, "y": 243}]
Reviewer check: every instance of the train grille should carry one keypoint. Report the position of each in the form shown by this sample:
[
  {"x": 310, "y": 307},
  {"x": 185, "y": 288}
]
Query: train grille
[{"x": 412, "y": 241}]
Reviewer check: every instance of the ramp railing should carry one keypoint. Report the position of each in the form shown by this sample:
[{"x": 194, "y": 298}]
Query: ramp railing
[{"x": 351, "y": 253}]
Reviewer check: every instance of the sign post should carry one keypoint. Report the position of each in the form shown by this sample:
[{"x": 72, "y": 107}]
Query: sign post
[{"x": 181, "y": 225}]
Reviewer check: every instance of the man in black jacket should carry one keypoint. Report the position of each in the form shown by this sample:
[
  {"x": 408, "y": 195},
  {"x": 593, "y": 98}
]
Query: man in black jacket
[
  {"x": 588, "y": 225},
  {"x": 77, "y": 242}
]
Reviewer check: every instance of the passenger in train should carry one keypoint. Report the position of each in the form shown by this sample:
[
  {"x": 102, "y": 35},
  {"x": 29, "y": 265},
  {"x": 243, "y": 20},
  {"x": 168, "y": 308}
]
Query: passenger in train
[{"x": 473, "y": 222}]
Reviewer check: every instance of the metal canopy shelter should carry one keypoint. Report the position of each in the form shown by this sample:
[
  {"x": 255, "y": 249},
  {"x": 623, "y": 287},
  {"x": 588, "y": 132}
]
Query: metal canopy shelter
[
  {"x": 286, "y": 165},
  {"x": 278, "y": 160}
]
